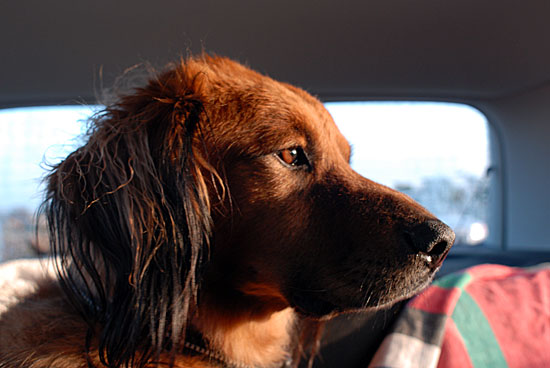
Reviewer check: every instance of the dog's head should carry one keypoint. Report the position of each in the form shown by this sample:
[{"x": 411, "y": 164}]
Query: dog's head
[{"x": 214, "y": 188}]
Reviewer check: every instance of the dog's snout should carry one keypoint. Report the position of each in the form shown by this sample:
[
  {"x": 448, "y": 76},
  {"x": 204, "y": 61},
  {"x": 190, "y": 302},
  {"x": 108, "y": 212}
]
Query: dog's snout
[{"x": 432, "y": 238}]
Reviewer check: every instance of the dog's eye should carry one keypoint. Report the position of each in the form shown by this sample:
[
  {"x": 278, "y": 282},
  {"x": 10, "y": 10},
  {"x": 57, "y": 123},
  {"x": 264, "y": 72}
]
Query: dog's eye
[{"x": 293, "y": 157}]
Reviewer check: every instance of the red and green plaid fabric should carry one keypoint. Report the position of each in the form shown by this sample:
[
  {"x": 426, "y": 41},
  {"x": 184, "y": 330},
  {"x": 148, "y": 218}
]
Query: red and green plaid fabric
[{"x": 485, "y": 316}]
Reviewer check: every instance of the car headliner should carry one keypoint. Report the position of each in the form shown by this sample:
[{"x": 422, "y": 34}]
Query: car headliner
[{"x": 64, "y": 51}]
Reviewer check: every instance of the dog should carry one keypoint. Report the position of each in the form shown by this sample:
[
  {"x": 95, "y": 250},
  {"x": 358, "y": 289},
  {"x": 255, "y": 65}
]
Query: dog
[{"x": 212, "y": 219}]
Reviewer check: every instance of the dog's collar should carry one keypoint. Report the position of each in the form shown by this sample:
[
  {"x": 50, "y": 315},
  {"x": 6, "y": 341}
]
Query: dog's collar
[
  {"x": 197, "y": 345},
  {"x": 212, "y": 356}
]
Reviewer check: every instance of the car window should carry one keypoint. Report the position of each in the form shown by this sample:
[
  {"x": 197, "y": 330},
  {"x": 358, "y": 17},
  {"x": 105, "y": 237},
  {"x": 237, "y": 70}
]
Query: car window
[{"x": 438, "y": 153}]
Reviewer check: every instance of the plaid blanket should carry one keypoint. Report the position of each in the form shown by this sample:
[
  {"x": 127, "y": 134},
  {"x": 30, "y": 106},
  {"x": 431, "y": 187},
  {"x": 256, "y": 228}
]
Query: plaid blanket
[{"x": 485, "y": 316}]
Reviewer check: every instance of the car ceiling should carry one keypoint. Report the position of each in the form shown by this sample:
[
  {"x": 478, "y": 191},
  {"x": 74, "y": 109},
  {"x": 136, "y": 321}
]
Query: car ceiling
[{"x": 65, "y": 51}]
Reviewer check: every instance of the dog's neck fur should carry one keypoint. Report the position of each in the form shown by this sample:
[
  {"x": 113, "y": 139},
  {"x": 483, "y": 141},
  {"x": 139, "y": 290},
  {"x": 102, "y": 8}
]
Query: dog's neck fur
[
  {"x": 250, "y": 343},
  {"x": 257, "y": 343}
]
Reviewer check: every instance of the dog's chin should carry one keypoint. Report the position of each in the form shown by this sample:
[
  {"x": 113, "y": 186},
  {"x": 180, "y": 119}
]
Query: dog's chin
[
  {"x": 314, "y": 306},
  {"x": 406, "y": 293}
]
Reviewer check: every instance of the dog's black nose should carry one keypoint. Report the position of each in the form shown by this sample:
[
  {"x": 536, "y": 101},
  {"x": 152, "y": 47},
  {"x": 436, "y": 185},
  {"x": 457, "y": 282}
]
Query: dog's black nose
[{"x": 432, "y": 238}]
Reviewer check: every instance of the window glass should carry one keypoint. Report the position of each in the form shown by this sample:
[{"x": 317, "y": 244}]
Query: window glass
[
  {"x": 438, "y": 153},
  {"x": 31, "y": 140}
]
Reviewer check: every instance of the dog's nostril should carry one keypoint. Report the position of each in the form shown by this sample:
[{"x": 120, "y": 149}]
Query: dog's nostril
[
  {"x": 440, "y": 248},
  {"x": 433, "y": 238}
]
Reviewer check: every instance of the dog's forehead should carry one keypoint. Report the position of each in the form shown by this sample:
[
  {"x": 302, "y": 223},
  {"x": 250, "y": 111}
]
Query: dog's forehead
[
  {"x": 317, "y": 122},
  {"x": 267, "y": 114},
  {"x": 307, "y": 117},
  {"x": 281, "y": 114}
]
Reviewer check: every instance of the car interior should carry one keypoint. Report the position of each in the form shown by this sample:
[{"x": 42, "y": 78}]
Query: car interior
[{"x": 487, "y": 60}]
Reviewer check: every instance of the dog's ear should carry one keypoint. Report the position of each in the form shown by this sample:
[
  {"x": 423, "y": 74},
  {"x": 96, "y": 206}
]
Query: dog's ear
[{"x": 129, "y": 219}]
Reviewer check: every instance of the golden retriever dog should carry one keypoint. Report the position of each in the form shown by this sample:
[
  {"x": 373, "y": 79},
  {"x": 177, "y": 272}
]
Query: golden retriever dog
[{"x": 212, "y": 219}]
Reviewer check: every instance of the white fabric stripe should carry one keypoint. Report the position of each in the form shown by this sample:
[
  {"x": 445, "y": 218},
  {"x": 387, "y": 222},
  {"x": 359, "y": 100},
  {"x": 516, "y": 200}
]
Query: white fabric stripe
[{"x": 403, "y": 351}]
